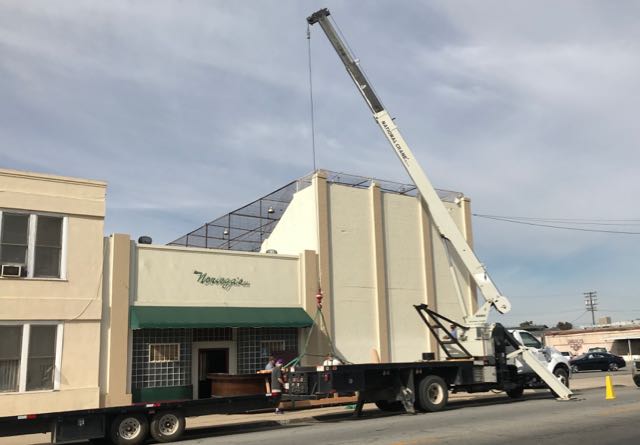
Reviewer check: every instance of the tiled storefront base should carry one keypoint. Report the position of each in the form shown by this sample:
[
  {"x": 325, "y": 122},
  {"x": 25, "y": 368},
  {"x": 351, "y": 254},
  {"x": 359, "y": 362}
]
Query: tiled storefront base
[
  {"x": 256, "y": 344},
  {"x": 165, "y": 393},
  {"x": 171, "y": 379}
]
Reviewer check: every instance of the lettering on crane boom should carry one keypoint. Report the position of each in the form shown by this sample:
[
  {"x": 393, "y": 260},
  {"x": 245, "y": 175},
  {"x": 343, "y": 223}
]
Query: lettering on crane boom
[{"x": 394, "y": 141}]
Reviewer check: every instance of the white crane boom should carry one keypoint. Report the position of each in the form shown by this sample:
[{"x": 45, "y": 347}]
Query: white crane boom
[{"x": 439, "y": 214}]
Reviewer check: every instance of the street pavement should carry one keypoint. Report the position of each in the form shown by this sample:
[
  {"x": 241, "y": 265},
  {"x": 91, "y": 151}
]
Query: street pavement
[
  {"x": 536, "y": 418},
  {"x": 336, "y": 425}
]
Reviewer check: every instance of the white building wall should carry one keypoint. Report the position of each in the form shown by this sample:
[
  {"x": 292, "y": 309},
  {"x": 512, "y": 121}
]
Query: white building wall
[
  {"x": 352, "y": 273},
  {"x": 297, "y": 229},
  {"x": 405, "y": 276}
]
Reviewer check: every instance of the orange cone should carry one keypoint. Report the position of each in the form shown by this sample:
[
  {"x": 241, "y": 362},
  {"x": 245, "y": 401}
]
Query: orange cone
[{"x": 611, "y": 394}]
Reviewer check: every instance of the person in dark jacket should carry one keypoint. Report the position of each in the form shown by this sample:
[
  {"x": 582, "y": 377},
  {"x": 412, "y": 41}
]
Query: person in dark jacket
[{"x": 277, "y": 384}]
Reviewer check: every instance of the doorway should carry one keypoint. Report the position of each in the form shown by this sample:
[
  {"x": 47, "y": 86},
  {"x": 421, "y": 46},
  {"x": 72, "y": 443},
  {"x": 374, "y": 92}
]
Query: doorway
[
  {"x": 211, "y": 361},
  {"x": 203, "y": 363}
]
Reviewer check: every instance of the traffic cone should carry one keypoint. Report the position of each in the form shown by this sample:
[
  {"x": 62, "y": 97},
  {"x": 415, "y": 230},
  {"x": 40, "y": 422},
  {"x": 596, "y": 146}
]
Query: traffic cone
[{"x": 611, "y": 394}]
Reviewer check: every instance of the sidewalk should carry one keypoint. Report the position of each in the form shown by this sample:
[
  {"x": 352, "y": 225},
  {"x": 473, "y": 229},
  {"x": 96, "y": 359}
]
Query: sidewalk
[{"x": 268, "y": 419}]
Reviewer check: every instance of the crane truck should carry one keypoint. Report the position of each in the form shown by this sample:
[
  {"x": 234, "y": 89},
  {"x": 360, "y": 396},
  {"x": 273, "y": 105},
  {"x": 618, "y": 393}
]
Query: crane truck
[{"x": 483, "y": 357}]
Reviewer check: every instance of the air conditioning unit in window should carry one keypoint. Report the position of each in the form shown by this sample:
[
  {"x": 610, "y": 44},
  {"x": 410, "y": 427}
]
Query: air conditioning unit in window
[{"x": 11, "y": 270}]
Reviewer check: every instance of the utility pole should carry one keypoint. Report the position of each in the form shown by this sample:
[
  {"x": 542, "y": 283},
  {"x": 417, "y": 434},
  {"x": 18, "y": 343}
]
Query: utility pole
[{"x": 591, "y": 302}]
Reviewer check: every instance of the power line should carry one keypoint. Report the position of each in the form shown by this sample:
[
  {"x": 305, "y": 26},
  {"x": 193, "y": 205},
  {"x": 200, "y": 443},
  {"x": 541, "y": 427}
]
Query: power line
[
  {"x": 593, "y": 221},
  {"x": 552, "y": 226},
  {"x": 576, "y": 319}
]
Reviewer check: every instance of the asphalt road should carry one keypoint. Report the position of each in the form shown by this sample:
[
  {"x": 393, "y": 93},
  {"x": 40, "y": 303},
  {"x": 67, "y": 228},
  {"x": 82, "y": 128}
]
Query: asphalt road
[{"x": 532, "y": 420}]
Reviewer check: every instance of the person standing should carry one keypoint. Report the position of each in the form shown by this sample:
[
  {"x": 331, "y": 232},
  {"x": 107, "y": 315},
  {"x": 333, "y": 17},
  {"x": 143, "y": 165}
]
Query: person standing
[
  {"x": 277, "y": 384},
  {"x": 270, "y": 364}
]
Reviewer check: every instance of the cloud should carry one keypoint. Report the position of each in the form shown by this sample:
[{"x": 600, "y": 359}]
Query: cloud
[{"x": 192, "y": 109}]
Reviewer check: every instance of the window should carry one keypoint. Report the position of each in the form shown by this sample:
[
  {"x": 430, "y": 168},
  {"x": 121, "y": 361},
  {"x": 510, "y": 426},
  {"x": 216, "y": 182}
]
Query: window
[
  {"x": 13, "y": 242},
  {"x": 10, "y": 347},
  {"x": 271, "y": 347},
  {"x": 48, "y": 247},
  {"x": 530, "y": 341},
  {"x": 30, "y": 357},
  {"x": 35, "y": 242},
  {"x": 164, "y": 352},
  {"x": 41, "y": 358}
]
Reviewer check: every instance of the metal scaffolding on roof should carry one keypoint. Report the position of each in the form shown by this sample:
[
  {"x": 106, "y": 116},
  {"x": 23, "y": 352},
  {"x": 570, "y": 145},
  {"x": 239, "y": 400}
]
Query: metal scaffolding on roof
[{"x": 246, "y": 228}]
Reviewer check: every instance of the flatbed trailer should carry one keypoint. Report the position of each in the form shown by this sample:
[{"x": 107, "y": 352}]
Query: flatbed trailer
[
  {"x": 130, "y": 424},
  {"x": 423, "y": 385}
]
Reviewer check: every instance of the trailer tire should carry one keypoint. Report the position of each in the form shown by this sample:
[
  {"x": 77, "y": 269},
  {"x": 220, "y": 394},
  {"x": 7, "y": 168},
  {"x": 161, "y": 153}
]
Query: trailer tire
[
  {"x": 515, "y": 393},
  {"x": 129, "y": 429},
  {"x": 167, "y": 426},
  {"x": 433, "y": 393},
  {"x": 392, "y": 407}
]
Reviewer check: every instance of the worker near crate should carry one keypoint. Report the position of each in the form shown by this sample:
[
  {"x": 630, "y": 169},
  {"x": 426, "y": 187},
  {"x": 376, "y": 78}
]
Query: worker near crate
[{"x": 277, "y": 384}]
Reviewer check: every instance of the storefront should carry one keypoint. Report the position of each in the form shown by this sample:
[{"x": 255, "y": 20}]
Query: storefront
[
  {"x": 194, "y": 313},
  {"x": 175, "y": 349}
]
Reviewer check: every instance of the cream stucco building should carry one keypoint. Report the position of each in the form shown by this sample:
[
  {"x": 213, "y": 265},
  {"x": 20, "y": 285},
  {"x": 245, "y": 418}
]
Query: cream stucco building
[
  {"x": 51, "y": 245},
  {"x": 119, "y": 321},
  {"x": 224, "y": 297}
]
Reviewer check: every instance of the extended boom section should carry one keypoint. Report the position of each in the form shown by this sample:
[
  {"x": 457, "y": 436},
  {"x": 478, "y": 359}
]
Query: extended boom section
[{"x": 439, "y": 213}]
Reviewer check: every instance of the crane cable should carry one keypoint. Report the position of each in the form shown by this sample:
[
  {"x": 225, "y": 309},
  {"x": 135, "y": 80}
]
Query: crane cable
[
  {"x": 311, "y": 105},
  {"x": 318, "y": 320}
]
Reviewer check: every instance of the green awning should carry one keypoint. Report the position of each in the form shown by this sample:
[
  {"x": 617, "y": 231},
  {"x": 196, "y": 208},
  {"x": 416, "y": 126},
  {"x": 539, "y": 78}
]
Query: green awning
[{"x": 217, "y": 317}]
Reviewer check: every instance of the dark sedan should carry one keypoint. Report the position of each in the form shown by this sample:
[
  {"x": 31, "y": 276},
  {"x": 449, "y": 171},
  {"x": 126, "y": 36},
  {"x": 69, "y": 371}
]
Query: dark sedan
[{"x": 594, "y": 361}]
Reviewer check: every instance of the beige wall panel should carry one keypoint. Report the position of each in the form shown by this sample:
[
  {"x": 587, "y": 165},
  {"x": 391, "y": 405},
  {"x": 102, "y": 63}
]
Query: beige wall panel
[
  {"x": 80, "y": 352},
  {"x": 297, "y": 229},
  {"x": 165, "y": 276},
  {"x": 44, "y": 402},
  {"x": 405, "y": 276},
  {"x": 353, "y": 279},
  {"x": 59, "y": 194},
  {"x": 51, "y": 299}
]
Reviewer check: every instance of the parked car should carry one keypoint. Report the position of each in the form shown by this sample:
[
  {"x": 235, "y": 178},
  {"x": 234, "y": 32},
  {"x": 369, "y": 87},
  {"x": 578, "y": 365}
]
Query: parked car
[
  {"x": 594, "y": 361},
  {"x": 598, "y": 349},
  {"x": 566, "y": 354}
]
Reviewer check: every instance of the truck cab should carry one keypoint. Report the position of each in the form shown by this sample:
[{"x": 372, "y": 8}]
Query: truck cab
[{"x": 553, "y": 359}]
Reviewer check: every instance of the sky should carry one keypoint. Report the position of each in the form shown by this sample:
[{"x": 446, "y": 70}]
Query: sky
[{"x": 191, "y": 109}]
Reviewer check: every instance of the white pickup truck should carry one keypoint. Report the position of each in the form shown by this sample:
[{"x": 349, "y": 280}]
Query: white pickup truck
[{"x": 556, "y": 363}]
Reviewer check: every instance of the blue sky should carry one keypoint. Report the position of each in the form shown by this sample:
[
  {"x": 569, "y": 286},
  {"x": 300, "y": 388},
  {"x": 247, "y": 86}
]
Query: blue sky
[{"x": 190, "y": 109}]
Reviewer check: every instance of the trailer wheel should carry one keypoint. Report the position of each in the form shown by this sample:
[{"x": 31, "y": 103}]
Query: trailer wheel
[
  {"x": 392, "y": 407},
  {"x": 515, "y": 393},
  {"x": 129, "y": 429},
  {"x": 167, "y": 426},
  {"x": 433, "y": 393}
]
